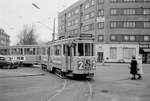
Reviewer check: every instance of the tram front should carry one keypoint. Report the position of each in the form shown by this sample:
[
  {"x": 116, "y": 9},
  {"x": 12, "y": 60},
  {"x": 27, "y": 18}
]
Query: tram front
[{"x": 83, "y": 61}]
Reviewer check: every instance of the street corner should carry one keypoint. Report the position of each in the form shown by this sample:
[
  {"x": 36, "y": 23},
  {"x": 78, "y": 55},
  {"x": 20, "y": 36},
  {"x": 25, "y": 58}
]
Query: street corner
[{"x": 22, "y": 72}]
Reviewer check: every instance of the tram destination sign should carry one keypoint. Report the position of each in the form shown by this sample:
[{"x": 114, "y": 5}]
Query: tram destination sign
[{"x": 144, "y": 45}]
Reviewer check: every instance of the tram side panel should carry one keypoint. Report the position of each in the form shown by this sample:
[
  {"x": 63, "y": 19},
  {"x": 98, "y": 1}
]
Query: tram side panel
[
  {"x": 82, "y": 65},
  {"x": 29, "y": 59}
]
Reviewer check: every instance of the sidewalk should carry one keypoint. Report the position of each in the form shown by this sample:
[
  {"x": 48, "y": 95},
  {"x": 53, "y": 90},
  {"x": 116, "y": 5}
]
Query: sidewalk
[
  {"x": 20, "y": 72},
  {"x": 117, "y": 64}
]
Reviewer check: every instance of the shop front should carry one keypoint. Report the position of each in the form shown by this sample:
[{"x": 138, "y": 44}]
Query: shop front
[
  {"x": 145, "y": 51},
  {"x": 116, "y": 52}
]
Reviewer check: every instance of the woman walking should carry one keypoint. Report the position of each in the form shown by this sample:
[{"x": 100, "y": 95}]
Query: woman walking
[{"x": 133, "y": 68}]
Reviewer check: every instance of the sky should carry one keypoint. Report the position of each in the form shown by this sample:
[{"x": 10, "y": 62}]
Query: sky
[{"x": 14, "y": 14}]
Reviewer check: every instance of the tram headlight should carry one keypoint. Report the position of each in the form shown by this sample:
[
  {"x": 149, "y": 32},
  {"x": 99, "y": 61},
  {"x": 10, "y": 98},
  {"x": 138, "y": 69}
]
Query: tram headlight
[
  {"x": 94, "y": 64},
  {"x": 80, "y": 65}
]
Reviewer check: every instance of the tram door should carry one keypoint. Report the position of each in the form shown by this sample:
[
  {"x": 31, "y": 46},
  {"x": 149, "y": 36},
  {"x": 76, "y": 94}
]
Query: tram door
[{"x": 68, "y": 57}]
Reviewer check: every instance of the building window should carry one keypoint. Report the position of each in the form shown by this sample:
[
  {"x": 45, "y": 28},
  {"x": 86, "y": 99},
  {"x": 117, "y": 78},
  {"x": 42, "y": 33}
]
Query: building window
[
  {"x": 100, "y": 38},
  {"x": 101, "y": 12},
  {"x": 129, "y": 11},
  {"x": 113, "y": 11},
  {"x": 86, "y": 16},
  {"x": 69, "y": 15},
  {"x": 100, "y": 1},
  {"x": 129, "y": 52},
  {"x": 146, "y": 11},
  {"x": 77, "y": 11},
  {"x": 126, "y": 38},
  {"x": 88, "y": 27},
  {"x": 113, "y": 38},
  {"x": 132, "y": 38},
  {"x": 146, "y": 24},
  {"x": 76, "y": 21},
  {"x": 87, "y": 5},
  {"x": 100, "y": 25},
  {"x": 69, "y": 24},
  {"x": 92, "y": 14},
  {"x": 89, "y": 15},
  {"x": 146, "y": 38},
  {"x": 113, "y": 24},
  {"x": 130, "y": 24},
  {"x": 92, "y": 2},
  {"x": 113, "y": 53}
]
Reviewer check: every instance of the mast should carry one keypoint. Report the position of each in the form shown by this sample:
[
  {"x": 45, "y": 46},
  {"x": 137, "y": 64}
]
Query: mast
[{"x": 53, "y": 31}]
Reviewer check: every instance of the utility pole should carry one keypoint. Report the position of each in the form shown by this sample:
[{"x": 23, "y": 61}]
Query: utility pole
[{"x": 53, "y": 34}]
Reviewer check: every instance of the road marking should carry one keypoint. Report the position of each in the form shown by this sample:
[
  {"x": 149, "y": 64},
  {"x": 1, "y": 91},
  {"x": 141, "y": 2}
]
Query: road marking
[
  {"x": 91, "y": 92},
  {"x": 59, "y": 91}
]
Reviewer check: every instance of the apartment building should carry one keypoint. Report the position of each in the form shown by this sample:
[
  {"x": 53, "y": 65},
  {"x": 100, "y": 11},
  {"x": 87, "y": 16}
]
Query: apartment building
[
  {"x": 121, "y": 27},
  {"x": 4, "y": 38}
]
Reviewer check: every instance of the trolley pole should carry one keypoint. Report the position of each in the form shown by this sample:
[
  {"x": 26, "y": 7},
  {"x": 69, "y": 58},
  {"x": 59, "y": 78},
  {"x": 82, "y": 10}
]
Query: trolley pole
[{"x": 53, "y": 34}]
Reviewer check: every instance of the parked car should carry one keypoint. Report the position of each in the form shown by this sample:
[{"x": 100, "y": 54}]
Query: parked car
[{"x": 6, "y": 63}]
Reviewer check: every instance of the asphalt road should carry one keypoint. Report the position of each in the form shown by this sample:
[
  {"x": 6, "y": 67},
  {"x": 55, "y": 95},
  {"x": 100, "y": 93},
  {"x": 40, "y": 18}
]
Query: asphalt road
[{"x": 111, "y": 83}]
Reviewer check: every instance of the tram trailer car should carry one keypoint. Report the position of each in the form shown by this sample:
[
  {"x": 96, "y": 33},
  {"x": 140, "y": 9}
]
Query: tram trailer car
[
  {"x": 27, "y": 55},
  {"x": 71, "y": 57}
]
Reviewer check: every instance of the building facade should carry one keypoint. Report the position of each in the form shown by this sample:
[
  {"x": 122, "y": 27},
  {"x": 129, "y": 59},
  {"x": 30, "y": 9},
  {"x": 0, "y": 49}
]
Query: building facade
[
  {"x": 115, "y": 24},
  {"x": 4, "y": 38}
]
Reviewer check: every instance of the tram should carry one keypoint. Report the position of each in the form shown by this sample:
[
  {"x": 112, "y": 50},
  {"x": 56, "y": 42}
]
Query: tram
[
  {"x": 70, "y": 57},
  {"x": 23, "y": 54}
]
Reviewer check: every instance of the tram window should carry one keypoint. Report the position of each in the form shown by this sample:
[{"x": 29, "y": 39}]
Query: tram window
[
  {"x": 22, "y": 58},
  {"x": 87, "y": 49},
  {"x": 57, "y": 50},
  {"x": 30, "y": 51},
  {"x": 92, "y": 48},
  {"x": 74, "y": 49},
  {"x": 80, "y": 49},
  {"x": 33, "y": 51},
  {"x": 48, "y": 51},
  {"x": 43, "y": 51},
  {"x": 38, "y": 51},
  {"x": 68, "y": 51},
  {"x": 60, "y": 50},
  {"x": 18, "y": 58},
  {"x": 21, "y": 51},
  {"x": 26, "y": 51},
  {"x": 64, "y": 49}
]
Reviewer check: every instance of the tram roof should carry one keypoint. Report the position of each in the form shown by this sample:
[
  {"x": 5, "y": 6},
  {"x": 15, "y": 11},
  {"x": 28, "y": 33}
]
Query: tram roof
[
  {"x": 19, "y": 46},
  {"x": 71, "y": 38}
]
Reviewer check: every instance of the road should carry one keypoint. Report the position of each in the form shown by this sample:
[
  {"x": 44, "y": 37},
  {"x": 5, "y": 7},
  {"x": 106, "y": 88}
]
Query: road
[{"x": 110, "y": 83}]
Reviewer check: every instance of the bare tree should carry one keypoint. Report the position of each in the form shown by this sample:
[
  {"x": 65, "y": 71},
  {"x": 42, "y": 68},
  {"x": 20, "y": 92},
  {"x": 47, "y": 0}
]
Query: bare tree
[{"x": 27, "y": 36}]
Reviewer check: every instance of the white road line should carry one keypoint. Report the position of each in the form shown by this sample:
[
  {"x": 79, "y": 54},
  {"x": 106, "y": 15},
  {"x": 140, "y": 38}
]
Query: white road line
[
  {"x": 91, "y": 92},
  {"x": 59, "y": 92}
]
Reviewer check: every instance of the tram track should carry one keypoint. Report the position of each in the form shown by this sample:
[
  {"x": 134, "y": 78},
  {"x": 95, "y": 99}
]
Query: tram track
[
  {"x": 73, "y": 88},
  {"x": 58, "y": 91},
  {"x": 84, "y": 87},
  {"x": 90, "y": 92}
]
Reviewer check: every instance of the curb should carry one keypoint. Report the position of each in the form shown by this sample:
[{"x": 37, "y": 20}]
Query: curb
[{"x": 23, "y": 75}]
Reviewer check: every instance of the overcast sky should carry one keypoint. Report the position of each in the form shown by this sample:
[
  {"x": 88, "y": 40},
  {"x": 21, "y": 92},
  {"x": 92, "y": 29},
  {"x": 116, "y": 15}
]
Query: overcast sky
[{"x": 16, "y": 13}]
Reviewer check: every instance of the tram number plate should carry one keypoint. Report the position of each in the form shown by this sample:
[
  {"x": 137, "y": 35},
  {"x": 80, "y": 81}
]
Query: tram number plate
[{"x": 87, "y": 65}]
